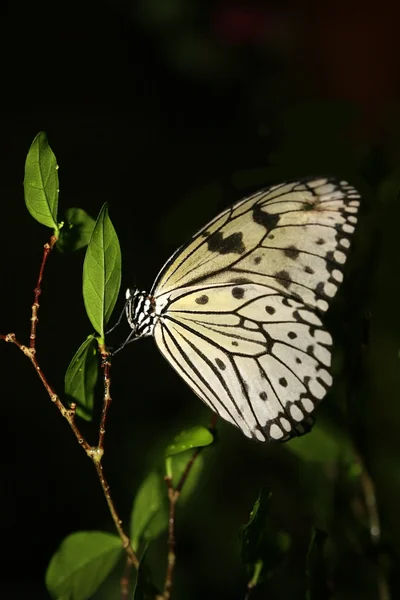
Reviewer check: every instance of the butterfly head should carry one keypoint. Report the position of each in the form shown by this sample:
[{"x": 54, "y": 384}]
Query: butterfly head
[{"x": 139, "y": 310}]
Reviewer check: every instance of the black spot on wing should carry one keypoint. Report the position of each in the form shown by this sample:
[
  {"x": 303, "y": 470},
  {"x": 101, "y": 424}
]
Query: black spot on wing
[
  {"x": 263, "y": 395},
  {"x": 220, "y": 364},
  {"x": 233, "y": 244},
  {"x": 270, "y": 310},
  {"x": 202, "y": 299},
  {"x": 240, "y": 280},
  {"x": 319, "y": 289},
  {"x": 267, "y": 220},
  {"x": 284, "y": 278},
  {"x": 257, "y": 260},
  {"x": 309, "y": 270},
  {"x": 238, "y": 293},
  {"x": 291, "y": 252}
]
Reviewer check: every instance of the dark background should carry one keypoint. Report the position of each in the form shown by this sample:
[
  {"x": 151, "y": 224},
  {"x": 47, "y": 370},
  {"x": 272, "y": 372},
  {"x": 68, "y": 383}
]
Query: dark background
[{"x": 169, "y": 111}]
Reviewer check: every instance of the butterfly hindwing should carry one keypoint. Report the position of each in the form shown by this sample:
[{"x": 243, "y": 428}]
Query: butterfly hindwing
[{"x": 256, "y": 357}]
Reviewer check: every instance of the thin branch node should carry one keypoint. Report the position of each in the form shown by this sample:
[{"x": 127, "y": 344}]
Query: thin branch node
[{"x": 96, "y": 454}]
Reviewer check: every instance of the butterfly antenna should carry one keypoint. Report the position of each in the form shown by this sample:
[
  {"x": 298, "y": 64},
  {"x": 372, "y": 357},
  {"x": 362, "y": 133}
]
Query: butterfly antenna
[
  {"x": 128, "y": 340},
  {"x": 119, "y": 319}
]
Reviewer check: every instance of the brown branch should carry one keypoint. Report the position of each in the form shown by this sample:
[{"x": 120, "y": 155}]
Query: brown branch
[
  {"x": 106, "y": 366},
  {"x": 47, "y": 248},
  {"x": 95, "y": 453},
  {"x": 125, "y": 579},
  {"x": 173, "y": 497}
]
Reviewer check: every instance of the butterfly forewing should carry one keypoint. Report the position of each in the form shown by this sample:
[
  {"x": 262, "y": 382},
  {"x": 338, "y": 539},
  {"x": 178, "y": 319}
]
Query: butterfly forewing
[
  {"x": 293, "y": 237},
  {"x": 236, "y": 310}
]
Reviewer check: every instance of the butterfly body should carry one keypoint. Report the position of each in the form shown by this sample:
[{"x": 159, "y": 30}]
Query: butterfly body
[{"x": 236, "y": 311}]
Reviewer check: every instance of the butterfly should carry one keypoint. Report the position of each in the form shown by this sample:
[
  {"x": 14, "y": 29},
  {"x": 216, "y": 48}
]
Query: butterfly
[{"x": 236, "y": 310}]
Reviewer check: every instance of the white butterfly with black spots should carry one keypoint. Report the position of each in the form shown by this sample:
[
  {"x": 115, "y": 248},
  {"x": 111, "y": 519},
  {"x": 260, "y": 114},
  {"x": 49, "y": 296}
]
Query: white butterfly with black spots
[{"x": 236, "y": 310}]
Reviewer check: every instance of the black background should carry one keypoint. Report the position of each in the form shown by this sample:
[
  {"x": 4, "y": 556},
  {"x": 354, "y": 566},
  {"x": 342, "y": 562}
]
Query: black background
[{"x": 150, "y": 107}]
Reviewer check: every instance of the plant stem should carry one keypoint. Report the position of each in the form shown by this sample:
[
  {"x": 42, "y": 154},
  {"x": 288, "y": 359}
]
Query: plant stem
[
  {"x": 95, "y": 453},
  {"x": 124, "y": 582},
  {"x": 173, "y": 497},
  {"x": 106, "y": 366},
  {"x": 35, "y": 306}
]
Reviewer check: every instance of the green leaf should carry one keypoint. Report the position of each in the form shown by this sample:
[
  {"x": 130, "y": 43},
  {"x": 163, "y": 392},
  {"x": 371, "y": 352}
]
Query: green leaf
[
  {"x": 263, "y": 545},
  {"x": 101, "y": 272},
  {"x": 253, "y": 532},
  {"x": 81, "y": 564},
  {"x": 178, "y": 466},
  {"x": 81, "y": 378},
  {"x": 77, "y": 230},
  {"x": 41, "y": 182},
  {"x": 149, "y": 516},
  {"x": 195, "y": 437}
]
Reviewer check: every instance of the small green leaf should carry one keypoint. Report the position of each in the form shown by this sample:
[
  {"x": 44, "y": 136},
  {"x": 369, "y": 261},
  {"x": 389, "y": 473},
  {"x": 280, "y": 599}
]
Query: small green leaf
[
  {"x": 81, "y": 564},
  {"x": 195, "y": 437},
  {"x": 77, "y": 230},
  {"x": 263, "y": 545},
  {"x": 149, "y": 516},
  {"x": 81, "y": 378},
  {"x": 253, "y": 532},
  {"x": 101, "y": 272},
  {"x": 41, "y": 182}
]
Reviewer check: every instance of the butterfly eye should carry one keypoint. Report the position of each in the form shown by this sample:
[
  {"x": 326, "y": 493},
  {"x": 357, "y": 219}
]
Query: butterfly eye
[{"x": 236, "y": 311}]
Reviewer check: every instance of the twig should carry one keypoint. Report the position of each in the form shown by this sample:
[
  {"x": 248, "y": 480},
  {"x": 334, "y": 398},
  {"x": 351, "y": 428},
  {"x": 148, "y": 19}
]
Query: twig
[
  {"x": 68, "y": 414},
  {"x": 124, "y": 582},
  {"x": 368, "y": 488},
  {"x": 35, "y": 306},
  {"x": 254, "y": 580},
  {"x": 173, "y": 497},
  {"x": 95, "y": 453},
  {"x": 106, "y": 366}
]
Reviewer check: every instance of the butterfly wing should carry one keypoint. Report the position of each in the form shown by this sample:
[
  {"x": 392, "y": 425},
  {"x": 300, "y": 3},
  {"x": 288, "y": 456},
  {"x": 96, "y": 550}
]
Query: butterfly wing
[
  {"x": 293, "y": 237},
  {"x": 236, "y": 308},
  {"x": 256, "y": 357}
]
